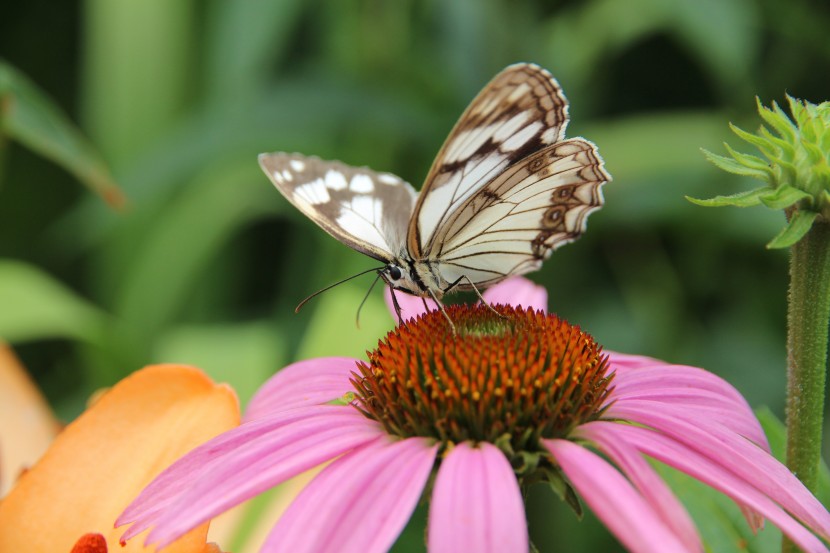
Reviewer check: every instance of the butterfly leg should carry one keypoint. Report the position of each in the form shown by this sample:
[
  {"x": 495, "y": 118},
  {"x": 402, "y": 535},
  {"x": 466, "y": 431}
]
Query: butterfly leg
[
  {"x": 444, "y": 311},
  {"x": 396, "y": 305},
  {"x": 475, "y": 289}
]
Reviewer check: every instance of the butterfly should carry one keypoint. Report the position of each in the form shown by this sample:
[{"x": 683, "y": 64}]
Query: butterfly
[{"x": 505, "y": 190}]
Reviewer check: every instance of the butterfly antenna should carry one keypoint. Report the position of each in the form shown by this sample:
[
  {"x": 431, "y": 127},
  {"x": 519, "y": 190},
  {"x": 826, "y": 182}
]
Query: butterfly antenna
[
  {"x": 366, "y": 297},
  {"x": 330, "y": 286}
]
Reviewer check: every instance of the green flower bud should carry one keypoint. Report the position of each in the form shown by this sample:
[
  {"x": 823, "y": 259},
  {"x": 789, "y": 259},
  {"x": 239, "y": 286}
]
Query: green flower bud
[{"x": 796, "y": 169}]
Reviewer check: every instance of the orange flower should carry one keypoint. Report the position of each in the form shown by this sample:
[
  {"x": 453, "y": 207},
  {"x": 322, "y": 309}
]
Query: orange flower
[
  {"x": 27, "y": 426},
  {"x": 100, "y": 462}
]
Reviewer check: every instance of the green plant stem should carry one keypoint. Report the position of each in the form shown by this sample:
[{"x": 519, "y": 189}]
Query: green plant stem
[{"x": 807, "y": 321}]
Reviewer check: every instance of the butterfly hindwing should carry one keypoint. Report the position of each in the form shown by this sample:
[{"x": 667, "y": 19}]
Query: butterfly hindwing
[
  {"x": 514, "y": 222},
  {"x": 520, "y": 111},
  {"x": 367, "y": 210},
  {"x": 506, "y": 188}
]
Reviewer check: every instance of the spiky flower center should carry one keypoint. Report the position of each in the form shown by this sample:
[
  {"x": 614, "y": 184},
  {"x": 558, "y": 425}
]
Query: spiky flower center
[{"x": 509, "y": 378}]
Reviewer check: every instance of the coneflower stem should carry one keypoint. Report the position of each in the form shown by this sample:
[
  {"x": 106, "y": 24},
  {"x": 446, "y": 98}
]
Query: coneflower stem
[{"x": 807, "y": 321}]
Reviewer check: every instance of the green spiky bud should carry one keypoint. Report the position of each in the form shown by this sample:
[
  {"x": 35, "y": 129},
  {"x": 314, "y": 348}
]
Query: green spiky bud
[{"x": 796, "y": 170}]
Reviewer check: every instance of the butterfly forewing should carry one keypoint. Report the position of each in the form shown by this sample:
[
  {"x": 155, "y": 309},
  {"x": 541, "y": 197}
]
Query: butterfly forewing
[
  {"x": 521, "y": 216},
  {"x": 520, "y": 111},
  {"x": 367, "y": 210}
]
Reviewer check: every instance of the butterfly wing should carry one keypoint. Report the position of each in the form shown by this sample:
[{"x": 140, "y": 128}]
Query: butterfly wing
[
  {"x": 516, "y": 220},
  {"x": 520, "y": 111},
  {"x": 506, "y": 188},
  {"x": 364, "y": 209}
]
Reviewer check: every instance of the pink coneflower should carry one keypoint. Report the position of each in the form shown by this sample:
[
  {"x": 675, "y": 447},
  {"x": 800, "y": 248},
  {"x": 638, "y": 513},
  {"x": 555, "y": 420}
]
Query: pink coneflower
[{"x": 512, "y": 398}]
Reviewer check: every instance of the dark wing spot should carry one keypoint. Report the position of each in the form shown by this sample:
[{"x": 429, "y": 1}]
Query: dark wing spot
[
  {"x": 538, "y": 245},
  {"x": 537, "y": 164},
  {"x": 564, "y": 192},
  {"x": 554, "y": 218}
]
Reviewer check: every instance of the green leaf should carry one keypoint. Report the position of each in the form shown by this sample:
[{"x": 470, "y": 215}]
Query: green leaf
[
  {"x": 824, "y": 143},
  {"x": 777, "y": 119},
  {"x": 736, "y": 166},
  {"x": 741, "y": 199},
  {"x": 35, "y": 306},
  {"x": 796, "y": 228},
  {"x": 749, "y": 160},
  {"x": 811, "y": 130},
  {"x": 761, "y": 143},
  {"x": 30, "y": 117},
  {"x": 789, "y": 170},
  {"x": 784, "y": 196},
  {"x": 798, "y": 110},
  {"x": 786, "y": 147},
  {"x": 814, "y": 153}
]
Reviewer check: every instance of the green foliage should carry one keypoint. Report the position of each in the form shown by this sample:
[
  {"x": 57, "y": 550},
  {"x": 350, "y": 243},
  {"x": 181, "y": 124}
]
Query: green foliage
[
  {"x": 208, "y": 262},
  {"x": 37, "y": 307},
  {"x": 28, "y": 116}
]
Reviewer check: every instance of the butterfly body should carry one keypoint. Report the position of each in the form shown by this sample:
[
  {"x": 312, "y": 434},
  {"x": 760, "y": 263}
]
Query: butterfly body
[{"x": 505, "y": 190}]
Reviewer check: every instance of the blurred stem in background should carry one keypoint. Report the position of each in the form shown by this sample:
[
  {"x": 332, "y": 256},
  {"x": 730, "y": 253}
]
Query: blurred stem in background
[{"x": 797, "y": 173}]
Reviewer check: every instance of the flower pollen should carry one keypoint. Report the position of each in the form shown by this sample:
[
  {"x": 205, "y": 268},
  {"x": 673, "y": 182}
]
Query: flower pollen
[{"x": 509, "y": 378}]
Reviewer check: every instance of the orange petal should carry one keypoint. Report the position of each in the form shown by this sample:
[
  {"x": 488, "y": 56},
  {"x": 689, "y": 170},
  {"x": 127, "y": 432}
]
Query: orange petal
[
  {"x": 100, "y": 462},
  {"x": 27, "y": 426}
]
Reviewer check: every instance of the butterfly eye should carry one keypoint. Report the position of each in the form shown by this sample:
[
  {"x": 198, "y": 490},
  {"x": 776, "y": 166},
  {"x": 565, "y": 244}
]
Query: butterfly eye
[{"x": 394, "y": 272}]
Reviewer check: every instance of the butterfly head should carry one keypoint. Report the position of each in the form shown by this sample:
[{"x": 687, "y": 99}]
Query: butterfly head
[{"x": 399, "y": 277}]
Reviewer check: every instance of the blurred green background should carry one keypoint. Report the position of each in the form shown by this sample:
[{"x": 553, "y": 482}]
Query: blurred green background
[{"x": 204, "y": 261}]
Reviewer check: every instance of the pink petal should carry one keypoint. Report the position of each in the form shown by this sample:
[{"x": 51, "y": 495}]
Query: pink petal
[
  {"x": 310, "y": 382},
  {"x": 411, "y": 306},
  {"x": 518, "y": 291},
  {"x": 626, "y": 360},
  {"x": 242, "y": 463},
  {"x": 615, "y": 502},
  {"x": 714, "y": 474},
  {"x": 732, "y": 452},
  {"x": 476, "y": 504},
  {"x": 677, "y": 384},
  {"x": 359, "y": 503},
  {"x": 659, "y": 374},
  {"x": 647, "y": 481},
  {"x": 708, "y": 406}
]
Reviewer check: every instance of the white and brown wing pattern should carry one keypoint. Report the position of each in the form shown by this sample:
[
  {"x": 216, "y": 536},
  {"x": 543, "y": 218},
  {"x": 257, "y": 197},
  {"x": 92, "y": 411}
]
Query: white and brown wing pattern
[
  {"x": 519, "y": 112},
  {"x": 512, "y": 224},
  {"x": 506, "y": 188},
  {"x": 367, "y": 210}
]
